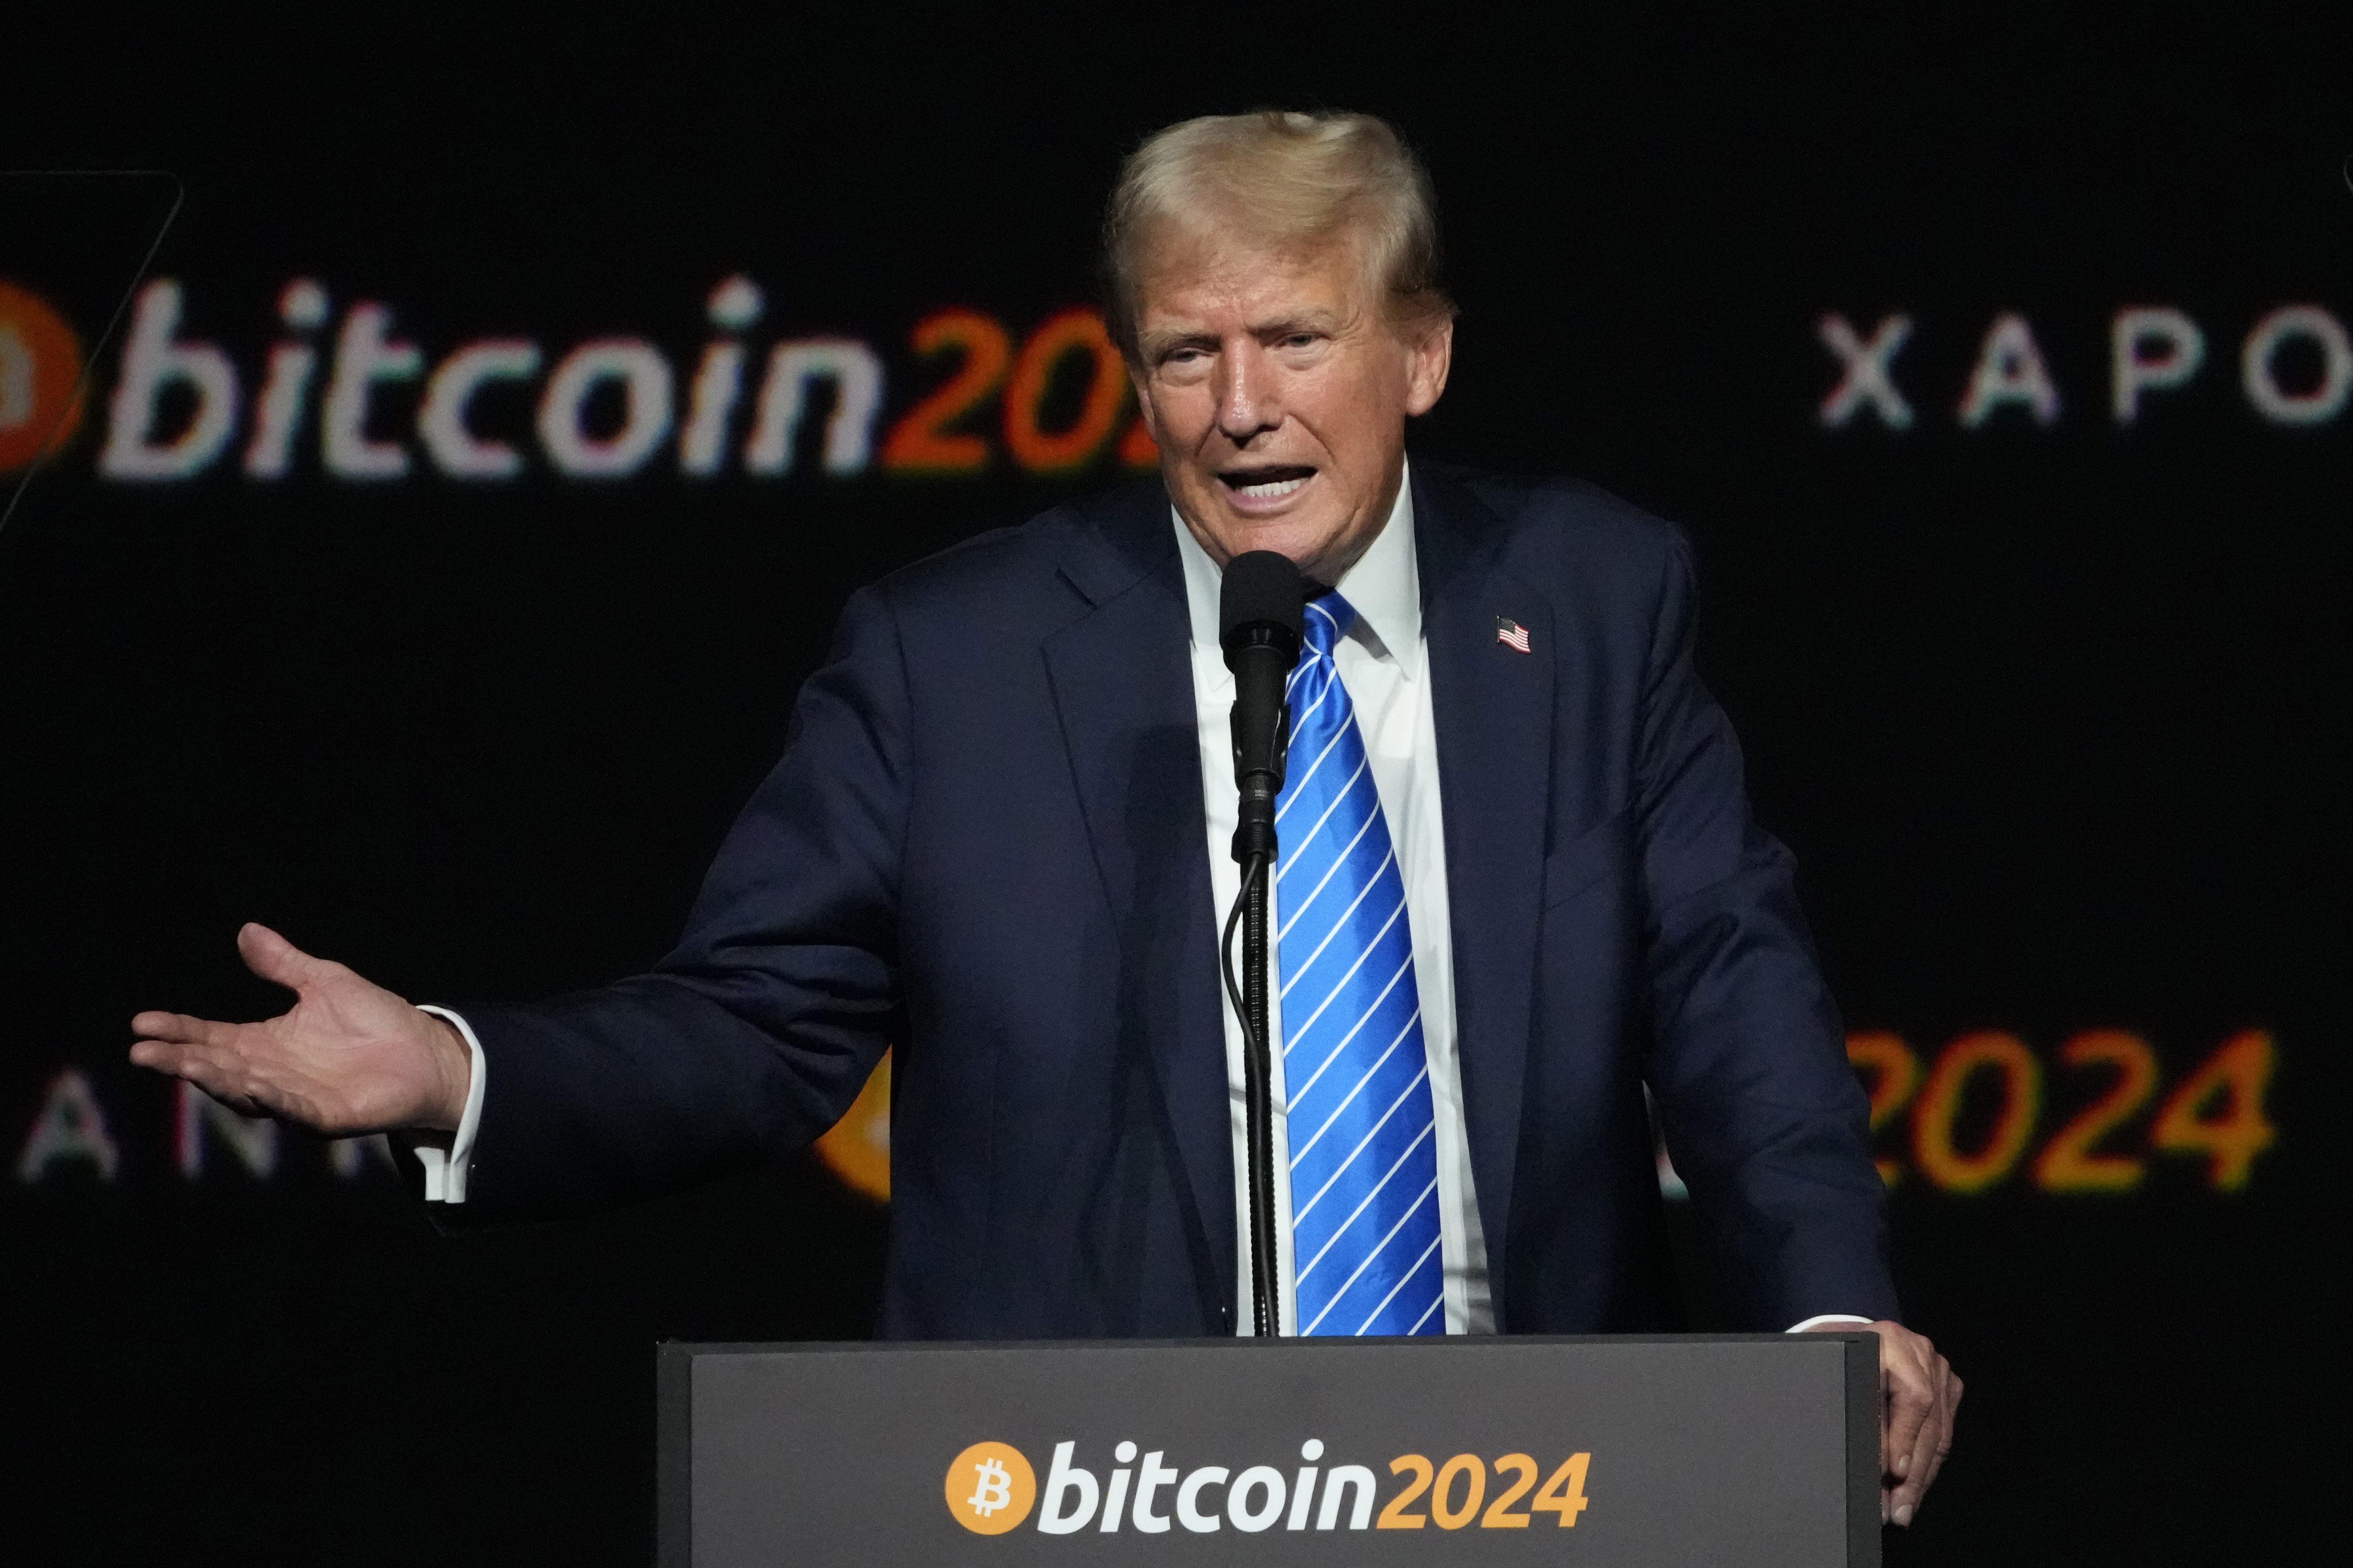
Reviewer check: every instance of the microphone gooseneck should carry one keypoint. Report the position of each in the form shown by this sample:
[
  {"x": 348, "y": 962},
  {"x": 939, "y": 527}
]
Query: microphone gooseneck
[{"x": 1259, "y": 626}]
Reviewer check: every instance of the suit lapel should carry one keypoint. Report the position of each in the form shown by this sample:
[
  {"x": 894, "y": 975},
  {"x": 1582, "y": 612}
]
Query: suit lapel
[
  {"x": 1493, "y": 711},
  {"x": 1122, "y": 685}
]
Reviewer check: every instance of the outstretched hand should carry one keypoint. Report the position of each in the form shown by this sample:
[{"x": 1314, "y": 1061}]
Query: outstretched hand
[
  {"x": 1918, "y": 1393},
  {"x": 349, "y": 1057}
]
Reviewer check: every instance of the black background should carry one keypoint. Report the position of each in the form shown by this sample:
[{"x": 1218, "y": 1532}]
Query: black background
[{"x": 2055, "y": 719}]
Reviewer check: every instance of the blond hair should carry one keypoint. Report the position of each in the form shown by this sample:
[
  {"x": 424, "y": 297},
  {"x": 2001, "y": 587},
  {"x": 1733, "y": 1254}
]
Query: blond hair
[{"x": 1281, "y": 180}]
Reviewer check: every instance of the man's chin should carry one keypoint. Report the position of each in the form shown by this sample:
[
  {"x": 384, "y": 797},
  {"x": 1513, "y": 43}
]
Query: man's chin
[{"x": 1305, "y": 540}]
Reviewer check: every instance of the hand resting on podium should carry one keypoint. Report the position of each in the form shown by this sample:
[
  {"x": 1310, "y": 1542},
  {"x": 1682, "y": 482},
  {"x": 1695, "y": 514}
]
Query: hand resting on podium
[{"x": 1918, "y": 1393}]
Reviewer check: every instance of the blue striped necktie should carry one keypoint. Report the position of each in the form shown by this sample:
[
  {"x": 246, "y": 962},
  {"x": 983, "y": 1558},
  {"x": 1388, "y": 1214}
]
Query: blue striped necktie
[{"x": 1363, "y": 1156}]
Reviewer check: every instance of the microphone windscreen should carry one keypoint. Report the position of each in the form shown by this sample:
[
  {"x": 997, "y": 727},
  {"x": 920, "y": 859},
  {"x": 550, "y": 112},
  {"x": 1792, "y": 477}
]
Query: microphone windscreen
[{"x": 1263, "y": 588}]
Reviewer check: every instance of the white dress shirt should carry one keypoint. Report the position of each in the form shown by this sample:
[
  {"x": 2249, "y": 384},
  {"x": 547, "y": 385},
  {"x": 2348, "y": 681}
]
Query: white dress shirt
[
  {"x": 1384, "y": 664},
  {"x": 445, "y": 1156}
]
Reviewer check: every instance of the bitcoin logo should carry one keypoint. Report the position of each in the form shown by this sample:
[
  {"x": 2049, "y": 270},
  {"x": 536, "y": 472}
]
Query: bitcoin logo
[
  {"x": 993, "y": 1490},
  {"x": 40, "y": 361},
  {"x": 990, "y": 1488}
]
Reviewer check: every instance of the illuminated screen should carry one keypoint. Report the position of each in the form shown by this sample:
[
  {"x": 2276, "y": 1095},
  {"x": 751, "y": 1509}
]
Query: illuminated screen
[{"x": 429, "y": 561}]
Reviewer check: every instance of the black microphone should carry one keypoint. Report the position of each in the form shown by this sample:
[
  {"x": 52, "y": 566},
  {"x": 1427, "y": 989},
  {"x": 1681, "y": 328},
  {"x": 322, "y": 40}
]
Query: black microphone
[
  {"x": 1259, "y": 626},
  {"x": 1259, "y": 616}
]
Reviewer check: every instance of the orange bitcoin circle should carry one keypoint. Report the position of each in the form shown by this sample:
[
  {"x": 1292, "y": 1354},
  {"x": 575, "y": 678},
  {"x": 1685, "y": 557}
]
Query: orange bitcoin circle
[
  {"x": 990, "y": 1488},
  {"x": 40, "y": 364},
  {"x": 858, "y": 1147}
]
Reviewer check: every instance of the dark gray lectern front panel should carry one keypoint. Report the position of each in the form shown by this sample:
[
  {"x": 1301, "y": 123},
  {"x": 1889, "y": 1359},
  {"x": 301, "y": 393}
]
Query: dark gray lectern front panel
[{"x": 1759, "y": 1450}]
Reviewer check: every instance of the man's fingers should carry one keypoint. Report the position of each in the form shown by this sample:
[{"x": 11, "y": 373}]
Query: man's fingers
[
  {"x": 1910, "y": 1401},
  {"x": 179, "y": 1028},
  {"x": 165, "y": 1026},
  {"x": 213, "y": 1072},
  {"x": 212, "y": 1056},
  {"x": 251, "y": 1088},
  {"x": 274, "y": 958},
  {"x": 164, "y": 1056},
  {"x": 1917, "y": 1471},
  {"x": 1933, "y": 1442},
  {"x": 1944, "y": 1444}
]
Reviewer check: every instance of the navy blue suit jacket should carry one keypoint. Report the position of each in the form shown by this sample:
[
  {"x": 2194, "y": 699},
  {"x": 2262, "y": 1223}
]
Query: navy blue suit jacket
[{"x": 983, "y": 843}]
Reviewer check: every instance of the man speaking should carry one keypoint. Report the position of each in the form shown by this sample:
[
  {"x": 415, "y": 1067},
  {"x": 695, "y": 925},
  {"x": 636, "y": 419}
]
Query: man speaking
[{"x": 1519, "y": 881}]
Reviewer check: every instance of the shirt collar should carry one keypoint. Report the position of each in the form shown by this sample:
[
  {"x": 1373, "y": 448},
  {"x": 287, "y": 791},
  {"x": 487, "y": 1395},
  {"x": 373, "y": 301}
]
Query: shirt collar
[{"x": 1384, "y": 585}]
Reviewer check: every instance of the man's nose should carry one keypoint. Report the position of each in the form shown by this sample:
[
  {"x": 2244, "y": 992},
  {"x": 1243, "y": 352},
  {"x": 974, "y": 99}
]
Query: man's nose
[{"x": 1248, "y": 404}]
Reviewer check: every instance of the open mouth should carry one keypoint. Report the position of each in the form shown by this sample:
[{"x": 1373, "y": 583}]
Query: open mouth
[{"x": 1264, "y": 484}]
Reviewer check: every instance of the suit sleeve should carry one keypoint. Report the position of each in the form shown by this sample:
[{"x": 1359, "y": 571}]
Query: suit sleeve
[
  {"x": 755, "y": 1033},
  {"x": 1763, "y": 1115}
]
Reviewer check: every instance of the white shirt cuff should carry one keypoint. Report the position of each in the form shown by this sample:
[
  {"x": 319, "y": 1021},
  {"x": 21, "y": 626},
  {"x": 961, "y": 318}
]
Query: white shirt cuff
[
  {"x": 1814, "y": 1322},
  {"x": 445, "y": 1163}
]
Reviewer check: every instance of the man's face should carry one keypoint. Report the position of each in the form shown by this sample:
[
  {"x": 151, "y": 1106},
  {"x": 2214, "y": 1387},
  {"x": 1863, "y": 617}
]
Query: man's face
[{"x": 1277, "y": 391}]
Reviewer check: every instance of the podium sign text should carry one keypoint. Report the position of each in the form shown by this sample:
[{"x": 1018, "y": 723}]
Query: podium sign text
[{"x": 1761, "y": 1450}]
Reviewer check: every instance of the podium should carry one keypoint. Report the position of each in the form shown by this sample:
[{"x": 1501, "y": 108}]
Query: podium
[{"x": 1756, "y": 1449}]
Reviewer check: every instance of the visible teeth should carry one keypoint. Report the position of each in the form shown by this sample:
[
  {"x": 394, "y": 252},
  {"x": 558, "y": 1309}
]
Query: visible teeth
[{"x": 1272, "y": 488}]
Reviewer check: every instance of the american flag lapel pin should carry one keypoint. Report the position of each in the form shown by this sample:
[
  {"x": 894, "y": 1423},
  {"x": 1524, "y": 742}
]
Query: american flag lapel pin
[{"x": 1512, "y": 635}]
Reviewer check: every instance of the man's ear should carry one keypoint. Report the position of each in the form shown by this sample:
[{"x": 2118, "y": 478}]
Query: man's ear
[{"x": 1427, "y": 363}]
